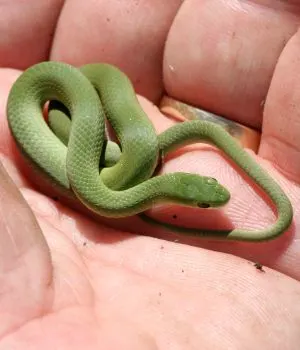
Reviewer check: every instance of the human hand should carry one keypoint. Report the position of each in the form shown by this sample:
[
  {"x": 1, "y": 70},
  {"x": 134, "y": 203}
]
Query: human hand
[{"x": 110, "y": 289}]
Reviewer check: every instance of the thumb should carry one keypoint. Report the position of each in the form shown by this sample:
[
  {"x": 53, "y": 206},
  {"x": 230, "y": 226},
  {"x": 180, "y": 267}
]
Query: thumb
[{"x": 25, "y": 265}]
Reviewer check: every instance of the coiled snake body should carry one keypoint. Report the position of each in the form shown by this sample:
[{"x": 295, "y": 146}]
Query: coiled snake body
[{"x": 75, "y": 156}]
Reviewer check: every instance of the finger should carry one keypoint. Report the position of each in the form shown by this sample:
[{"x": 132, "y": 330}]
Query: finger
[
  {"x": 280, "y": 142},
  {"x": 7, "y": 78},
  {"x": 27, "y": 31},
  {"x": 8, "y": 147},
  {"x": 129, "y": 34},
  {"x": 25, "y": 264},
  {"x": 220, "y": 55}
]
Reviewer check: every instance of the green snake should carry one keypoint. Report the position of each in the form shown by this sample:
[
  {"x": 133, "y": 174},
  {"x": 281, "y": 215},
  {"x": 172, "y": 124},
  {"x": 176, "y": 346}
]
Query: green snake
[{"x": 73, "y": 153}]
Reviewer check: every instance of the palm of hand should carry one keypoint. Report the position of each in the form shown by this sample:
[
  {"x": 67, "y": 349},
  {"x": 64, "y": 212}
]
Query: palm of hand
[
  {"x": 82, "y": 285},
  {"x": 120, "y": 292}
]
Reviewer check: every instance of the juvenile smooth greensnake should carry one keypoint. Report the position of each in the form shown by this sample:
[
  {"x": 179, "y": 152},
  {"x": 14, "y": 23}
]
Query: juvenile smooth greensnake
[{"x": 78, "y": 160}]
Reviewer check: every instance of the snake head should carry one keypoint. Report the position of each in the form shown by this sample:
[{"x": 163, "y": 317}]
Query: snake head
[{"x": 202, "y": 191}]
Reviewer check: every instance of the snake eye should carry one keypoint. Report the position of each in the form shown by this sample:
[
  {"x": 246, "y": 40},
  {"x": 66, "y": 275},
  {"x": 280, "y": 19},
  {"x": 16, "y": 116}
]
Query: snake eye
[{"x": 203, "y": 205}]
